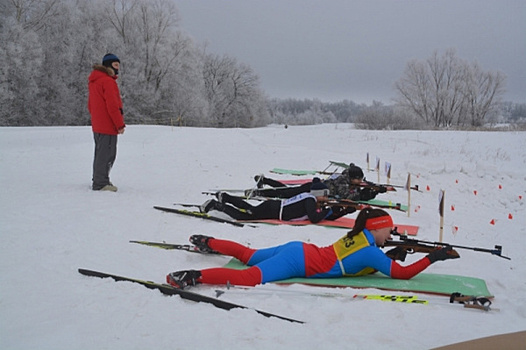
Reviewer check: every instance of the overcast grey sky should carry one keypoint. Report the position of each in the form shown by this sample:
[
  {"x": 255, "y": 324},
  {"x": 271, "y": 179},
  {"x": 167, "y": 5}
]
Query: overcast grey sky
[{"x": 356, "y": 50}]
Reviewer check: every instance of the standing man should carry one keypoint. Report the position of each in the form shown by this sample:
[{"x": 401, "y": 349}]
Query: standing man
[{"x": 107, "y": 119}]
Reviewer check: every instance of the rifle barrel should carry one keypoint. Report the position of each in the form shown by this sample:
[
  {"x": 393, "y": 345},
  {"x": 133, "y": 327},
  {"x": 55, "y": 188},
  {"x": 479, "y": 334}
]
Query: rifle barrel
[{"x": 495, "y": 251}]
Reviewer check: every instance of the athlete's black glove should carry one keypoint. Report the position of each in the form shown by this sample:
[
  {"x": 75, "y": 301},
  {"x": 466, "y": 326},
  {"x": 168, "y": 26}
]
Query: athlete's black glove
[
  {"x": 397, "y": 253},
  {"x": 367, "y": 193},
  {"x": 349, "y": 210},
  {"x": 447, "y": 252}
]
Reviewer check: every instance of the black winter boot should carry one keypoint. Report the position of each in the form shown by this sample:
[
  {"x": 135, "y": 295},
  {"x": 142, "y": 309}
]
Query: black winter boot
[
  {"x": 201, "y": 243},
  {"x": 183, "y": 279}
]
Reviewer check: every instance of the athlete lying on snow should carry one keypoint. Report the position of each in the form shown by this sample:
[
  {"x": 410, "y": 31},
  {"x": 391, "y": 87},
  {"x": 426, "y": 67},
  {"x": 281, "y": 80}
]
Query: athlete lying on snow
[
  {"x": 348, "y": 185},
  {"x": 355, "y": 254},
  {"x": 302, "y": 206}
]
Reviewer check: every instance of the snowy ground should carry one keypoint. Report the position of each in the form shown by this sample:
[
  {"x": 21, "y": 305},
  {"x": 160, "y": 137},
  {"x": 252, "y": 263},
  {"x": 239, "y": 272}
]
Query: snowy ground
[{"x": 52, "y": 224}]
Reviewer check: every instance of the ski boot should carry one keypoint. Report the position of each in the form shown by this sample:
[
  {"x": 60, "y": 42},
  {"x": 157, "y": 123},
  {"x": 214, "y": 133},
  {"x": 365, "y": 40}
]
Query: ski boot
[
  {"x": 208, "y": 205},
  {"x": 201, "y": 244},
  {"x": 183, "y": 279}
]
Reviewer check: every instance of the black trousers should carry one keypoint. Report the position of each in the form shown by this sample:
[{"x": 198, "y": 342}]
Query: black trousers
[
  {"x": 266, "y": 210},
  {"x": 105, "y": 154},
  {"x": 285, "y": 191}
]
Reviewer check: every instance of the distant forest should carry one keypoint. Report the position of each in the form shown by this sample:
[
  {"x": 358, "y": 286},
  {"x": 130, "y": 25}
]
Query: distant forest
[{"x": 48, "y": 48}]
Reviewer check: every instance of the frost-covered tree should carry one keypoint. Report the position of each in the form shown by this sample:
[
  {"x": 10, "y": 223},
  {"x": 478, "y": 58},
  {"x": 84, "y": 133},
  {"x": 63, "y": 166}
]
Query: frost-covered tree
[
  {"x": 381, "y": 117},
  {"x": 445, "y": 90},
  {"x": 482, "y": 92},
  {"x": 21, "y": 54},
  {"x": 232, "y": 91},
  {"x": 48, "y": 48}
]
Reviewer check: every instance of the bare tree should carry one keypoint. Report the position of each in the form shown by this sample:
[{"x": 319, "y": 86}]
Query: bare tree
[
  {"x": 445, "y": 90},
  {"x": 381, "y": 117},
  {"x": 163, "y": 77},
  {"x": 19, "y": 49},
  {"x": 34, "y": 14},
  {"x": 482, "y": 93},
  {"x": 232, "y": 91},
  {"x": 157, "y": 58},
  {"x": 119, "y": 16},
  {"x": 446, "y": 77},
  {"x": 414, "y": 90},
  {"x": 160, "y": 43}
]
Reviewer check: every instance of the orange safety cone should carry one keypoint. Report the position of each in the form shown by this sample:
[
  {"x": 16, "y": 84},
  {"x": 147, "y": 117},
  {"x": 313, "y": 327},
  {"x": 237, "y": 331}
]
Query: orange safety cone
[{"x": 492, "y": 222}]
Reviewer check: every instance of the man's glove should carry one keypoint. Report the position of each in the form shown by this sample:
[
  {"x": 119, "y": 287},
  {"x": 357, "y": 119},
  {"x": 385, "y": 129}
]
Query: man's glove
[
  {"x": 367, "y": 194},
  {"x": 349, "y": 209},
  {"x": 341, "y": 211},
  {"x": 382, "y": 189},
  {"x": 447, "y": 252},
  {"x": 397, "y": 253}
]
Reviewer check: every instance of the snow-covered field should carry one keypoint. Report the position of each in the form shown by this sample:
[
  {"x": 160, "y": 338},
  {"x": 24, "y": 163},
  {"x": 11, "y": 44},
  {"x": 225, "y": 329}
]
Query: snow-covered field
[{"x": 52, "y": 224}]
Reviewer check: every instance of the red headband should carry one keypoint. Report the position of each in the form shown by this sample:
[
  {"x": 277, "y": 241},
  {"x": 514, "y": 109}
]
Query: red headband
[{"x": 379, "y": 222}]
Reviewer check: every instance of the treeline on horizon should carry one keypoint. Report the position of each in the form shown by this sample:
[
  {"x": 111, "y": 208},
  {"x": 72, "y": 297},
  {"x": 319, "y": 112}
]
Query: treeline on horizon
[{"x": 48, "y": 48}]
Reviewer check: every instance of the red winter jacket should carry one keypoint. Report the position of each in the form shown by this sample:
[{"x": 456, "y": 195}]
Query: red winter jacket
[{"x": 104, "y": 101}]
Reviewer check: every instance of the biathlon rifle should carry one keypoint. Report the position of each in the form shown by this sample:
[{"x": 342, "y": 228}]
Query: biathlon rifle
[
  {"x": 344, "y": 203},
  {"x": 348, "y": 203},
  {"x": 406, "y": 245},
  {"x": 388, "y": 187}
]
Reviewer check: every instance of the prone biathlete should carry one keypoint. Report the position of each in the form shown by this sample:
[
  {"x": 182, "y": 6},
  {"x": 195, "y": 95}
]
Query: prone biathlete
[{"x": 357, "y": 253}]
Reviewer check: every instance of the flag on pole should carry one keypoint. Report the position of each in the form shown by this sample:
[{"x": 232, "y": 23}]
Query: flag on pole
[
  {"x": 441, "y": 212},
  {"x": 408, "y": 189},
  {"x": 388, "y": 171},
  {"x": 441, "y": 203},
  {"x": 378, "y": 168}
]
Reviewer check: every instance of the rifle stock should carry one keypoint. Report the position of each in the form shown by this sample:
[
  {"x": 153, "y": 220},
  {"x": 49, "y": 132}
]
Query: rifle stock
[{"x": 403, "y": 248}]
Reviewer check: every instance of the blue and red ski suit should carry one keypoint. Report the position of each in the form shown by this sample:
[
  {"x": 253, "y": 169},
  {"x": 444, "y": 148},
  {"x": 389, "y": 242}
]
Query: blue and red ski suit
[{"x": 354, "y": 256}]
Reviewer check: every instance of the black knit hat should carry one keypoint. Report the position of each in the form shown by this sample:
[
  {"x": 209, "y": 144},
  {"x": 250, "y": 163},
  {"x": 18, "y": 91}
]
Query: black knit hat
[
  {"x": 355, "y": 172},
  {"x": 318, "y": 188},
  {"x": 109, "y": 58}
]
